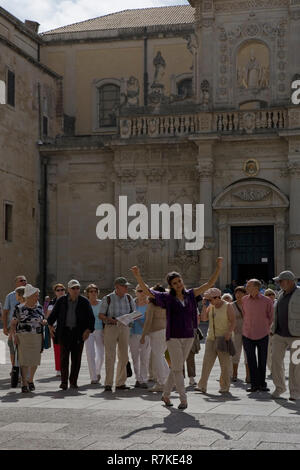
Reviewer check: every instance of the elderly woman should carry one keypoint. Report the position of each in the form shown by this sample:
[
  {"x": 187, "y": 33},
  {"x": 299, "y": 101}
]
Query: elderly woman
[
  {"x": 181, "y": 308},
  {"x": 28, "y": 321},
  {"x": 272, "y": 295},
  {"x": 221, "y": 323},
  {"x": 140, "y": 350},
  {"x": 94, "y": 345},
  {"x": 155, "y": 329}
]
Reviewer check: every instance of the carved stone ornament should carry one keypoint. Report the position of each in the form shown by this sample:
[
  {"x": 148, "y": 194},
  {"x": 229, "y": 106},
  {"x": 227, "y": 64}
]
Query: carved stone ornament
[
  {"x": 252, "y": 194},
  {"x": 248, "y": 122},
  {"x": 293, "y": 244},
  {"x": 127, "y": 175},
  {"x": 125, "y": 128},
  {"x": 221, "y": 6},
  {"x": 154, "y": 174},
  {"x": 251, "y": 167}
]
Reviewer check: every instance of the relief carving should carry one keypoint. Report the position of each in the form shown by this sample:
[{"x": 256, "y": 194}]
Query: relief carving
[{"x": 252, "y": 194}]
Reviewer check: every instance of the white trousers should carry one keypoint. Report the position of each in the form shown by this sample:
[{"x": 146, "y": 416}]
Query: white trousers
[
  {"x": 140, "y": 354},
  {"x": 179, "y": 349},
  {"x": 94, "y": 347},
  {"x": 158, "y": 346}
]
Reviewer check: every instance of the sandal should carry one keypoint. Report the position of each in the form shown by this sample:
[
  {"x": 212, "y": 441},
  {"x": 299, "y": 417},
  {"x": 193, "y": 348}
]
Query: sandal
[
  {"x": 25, "y": 389},
  {"x": 31, "y": 386},
  {"x": 166, "y": 401},
  {"x": 182, "y": 406}
]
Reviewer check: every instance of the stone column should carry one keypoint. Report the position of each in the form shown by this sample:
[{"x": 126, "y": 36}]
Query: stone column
[
  {"x": 279, "y": 245},
  {"x": 204, "y": 29},
  {"x": 205, "y": 167},
  {"x": 224, "y": 249},
  {"x": 294, "y": 218}
]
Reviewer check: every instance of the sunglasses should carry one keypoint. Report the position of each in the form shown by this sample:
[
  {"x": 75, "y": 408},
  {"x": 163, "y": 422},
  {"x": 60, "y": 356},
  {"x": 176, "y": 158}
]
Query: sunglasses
[
  {"x": 139, "y": 291},
  {"x": 75, "y": 287},
  {"x": 92, "y": 291},
  {"x": 22, "y": 280},
  {"x": 59, "y": 290}
]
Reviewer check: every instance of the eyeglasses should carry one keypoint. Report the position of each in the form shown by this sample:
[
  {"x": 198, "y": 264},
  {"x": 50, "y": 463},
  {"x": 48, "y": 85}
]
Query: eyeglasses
[
  {"x": 59, "y": 290},
  {"x": 75, "y": 287}
]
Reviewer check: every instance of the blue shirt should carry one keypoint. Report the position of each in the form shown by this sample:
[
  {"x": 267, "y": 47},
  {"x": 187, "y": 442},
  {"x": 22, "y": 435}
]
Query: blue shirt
[
  {"x": 138, "y": 325},
  {"x": 9, "y": 304},
  {"x": 96, "y": 311}
]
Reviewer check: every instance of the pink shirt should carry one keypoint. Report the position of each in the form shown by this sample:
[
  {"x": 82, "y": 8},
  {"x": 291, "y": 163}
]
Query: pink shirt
[{"x": 258, "y": 316}]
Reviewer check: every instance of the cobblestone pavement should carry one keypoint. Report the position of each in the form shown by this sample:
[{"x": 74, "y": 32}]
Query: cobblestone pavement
[{"x": 135, "y": 419}]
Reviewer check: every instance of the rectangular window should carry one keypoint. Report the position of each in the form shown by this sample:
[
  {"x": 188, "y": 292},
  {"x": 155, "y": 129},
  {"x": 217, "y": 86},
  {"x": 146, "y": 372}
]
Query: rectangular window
[
  {"x": 10, "y": 88},
  {"x": 8, "y": 209}
]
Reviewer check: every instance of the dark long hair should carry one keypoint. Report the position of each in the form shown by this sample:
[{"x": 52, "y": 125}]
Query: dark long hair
[{"x": 170, "y": 277}]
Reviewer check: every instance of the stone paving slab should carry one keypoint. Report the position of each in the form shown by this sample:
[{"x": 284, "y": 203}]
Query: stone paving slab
[{"x": 137, "y": 419}]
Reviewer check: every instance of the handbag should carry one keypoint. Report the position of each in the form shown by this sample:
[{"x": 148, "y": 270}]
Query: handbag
[
  {"x": 15, "y": 372},
  {"x": 222, "y": 344},
  {"x": 200, "y": 334},
  {"x": 128, "y": 369},
  {"x": 47, "y": 338}
]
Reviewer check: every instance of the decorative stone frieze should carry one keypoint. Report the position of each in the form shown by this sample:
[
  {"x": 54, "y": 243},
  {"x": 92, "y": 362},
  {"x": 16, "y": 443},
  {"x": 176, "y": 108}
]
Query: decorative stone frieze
[{"x": 252, "y": 194}]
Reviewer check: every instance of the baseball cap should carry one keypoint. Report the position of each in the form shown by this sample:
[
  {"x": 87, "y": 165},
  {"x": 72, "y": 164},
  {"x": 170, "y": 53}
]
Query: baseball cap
[
  {"x": 122, "y": 281},
  {"x": 212, "y": 292},
  {"x": 30, "y": 290},
  {"x": 73, "y": 283},
  {"x": 285, "y": 275}
]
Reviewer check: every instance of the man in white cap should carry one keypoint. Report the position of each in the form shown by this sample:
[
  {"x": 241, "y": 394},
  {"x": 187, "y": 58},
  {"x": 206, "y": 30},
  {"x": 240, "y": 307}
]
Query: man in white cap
[
  {"x": 286, "y": 334},
  {"x": 114, "y": 305},
  {"x": 75, "y": 321}
]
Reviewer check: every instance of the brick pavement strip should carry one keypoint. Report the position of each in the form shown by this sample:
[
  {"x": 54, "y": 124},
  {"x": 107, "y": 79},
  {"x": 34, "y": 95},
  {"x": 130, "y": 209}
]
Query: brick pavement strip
[{"x": 134, "y": 420}]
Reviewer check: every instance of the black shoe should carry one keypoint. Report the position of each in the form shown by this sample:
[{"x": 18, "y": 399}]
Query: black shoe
[
  {"x": 252, "y": 389},
  {"x": 122, "y": 387},
  {"x": 63, "y": 386},
  {"x": 31, "y": 386},
  {"x": 25, "y": 389},
  {"x": 107, "y": 388},
  {"x": 264, "y": 389},
  {"x": 73, "y": 385}
]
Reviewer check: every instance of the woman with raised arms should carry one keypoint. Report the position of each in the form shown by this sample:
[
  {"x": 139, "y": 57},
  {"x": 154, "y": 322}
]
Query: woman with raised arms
[{"x": 181, "y": 308}]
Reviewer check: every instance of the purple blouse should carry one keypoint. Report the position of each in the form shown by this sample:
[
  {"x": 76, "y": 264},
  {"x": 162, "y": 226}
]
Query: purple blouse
[{"x": 181, "y": 319}]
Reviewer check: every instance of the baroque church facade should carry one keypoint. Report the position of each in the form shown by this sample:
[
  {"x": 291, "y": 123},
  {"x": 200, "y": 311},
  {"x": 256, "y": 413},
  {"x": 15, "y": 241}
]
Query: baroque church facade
[{"x": 181, "y": 104}]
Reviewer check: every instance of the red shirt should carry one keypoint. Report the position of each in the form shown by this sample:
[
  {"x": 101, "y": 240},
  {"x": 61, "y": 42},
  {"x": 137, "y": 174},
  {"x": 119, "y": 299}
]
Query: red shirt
[{"x": 258, "y": 315}]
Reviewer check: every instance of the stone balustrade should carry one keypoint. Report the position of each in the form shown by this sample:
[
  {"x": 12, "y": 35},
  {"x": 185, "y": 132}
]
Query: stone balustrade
[{"x": 230, "y": 122}]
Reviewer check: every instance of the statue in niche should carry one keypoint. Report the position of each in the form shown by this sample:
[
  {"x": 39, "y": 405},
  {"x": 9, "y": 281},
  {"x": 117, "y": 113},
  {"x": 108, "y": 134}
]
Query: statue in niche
[
  {"x": 160, "y": 65},
  {"x": 264, "y": 80},
  {"x": 205, "y": 94},
  {"x": 242, "y": 77},
  {"x": 253, "y": 71}
]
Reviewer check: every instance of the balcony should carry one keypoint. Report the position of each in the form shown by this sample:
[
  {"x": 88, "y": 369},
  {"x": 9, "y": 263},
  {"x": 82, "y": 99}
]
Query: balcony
[{"x": 221, "y": 122}]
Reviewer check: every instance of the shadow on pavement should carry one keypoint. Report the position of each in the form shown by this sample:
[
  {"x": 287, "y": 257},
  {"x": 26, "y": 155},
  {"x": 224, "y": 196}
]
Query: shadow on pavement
[{"x": 176, "y": 422}]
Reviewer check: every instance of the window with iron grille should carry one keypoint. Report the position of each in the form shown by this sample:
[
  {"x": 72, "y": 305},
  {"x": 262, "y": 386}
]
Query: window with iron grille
[
  {"x": 185, "y": 88},
  {"x": 108, "y": 105},
  {"x": 8, "y": 232}
]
